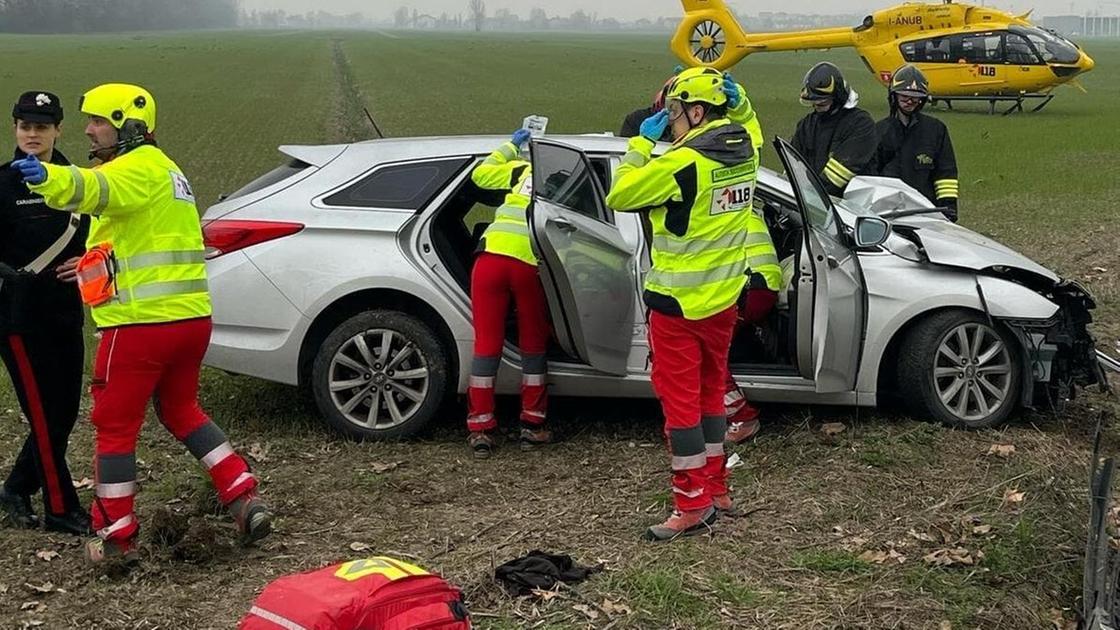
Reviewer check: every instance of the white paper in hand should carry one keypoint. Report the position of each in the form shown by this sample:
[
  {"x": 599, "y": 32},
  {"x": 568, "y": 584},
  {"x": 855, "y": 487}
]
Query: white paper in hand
[{"x": 535, "y": 124}]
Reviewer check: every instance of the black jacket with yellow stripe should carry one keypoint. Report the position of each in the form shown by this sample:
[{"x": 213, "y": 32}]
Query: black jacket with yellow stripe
[
  {"x": 921, "y": 154},
  {"x": 838, "y": 145}
]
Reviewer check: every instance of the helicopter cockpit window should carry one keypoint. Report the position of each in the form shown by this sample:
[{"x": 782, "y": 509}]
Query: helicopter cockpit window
[
  {"x": 1019, "y": 51},
  {"x": 1053, "y": 47},
  {"x": 984, "y": 48},
  {"x": 933, "y": 50}
]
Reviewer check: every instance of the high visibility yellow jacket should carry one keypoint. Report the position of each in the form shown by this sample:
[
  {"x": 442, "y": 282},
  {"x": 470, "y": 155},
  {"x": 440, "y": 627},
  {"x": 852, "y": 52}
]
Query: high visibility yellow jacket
[
  {"x": 699, "y": 195},
  {"x": 508, "y": 235},
  {"x": 144, "y": 209},
  {"x": 745, "y": 115},
  {"x": 762, "y": 257}
]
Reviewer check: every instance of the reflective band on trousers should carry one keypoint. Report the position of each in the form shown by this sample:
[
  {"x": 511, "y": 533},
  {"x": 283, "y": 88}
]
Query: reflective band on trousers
[
  {"x": 214, "y": 457},
  {"x": 714, "y": 449},
  {"x": 482, "y": 382},
  {"x": 533, "y": 380},
  {"x": 242, "y": 478},
  {"x": 696, "y": 278},
  {"x": 115, "y": 527},
  {"x": 116, "y": 490},
  {"x": 285, "y": 623},
  {"x": 692, "y": 494},
  {"x": 485, "y": 418},
  {"x": 689, "y": 462},
  {"x": 161, "y": 289}
]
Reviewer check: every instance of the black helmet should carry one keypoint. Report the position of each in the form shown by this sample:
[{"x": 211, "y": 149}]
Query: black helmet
[
  {"x": 909, "y": 81},
  {"x": 823, "y": 81}
]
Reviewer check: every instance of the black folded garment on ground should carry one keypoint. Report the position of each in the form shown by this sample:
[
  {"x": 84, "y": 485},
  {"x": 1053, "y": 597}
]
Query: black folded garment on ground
[{"x": 540, "y": 570}]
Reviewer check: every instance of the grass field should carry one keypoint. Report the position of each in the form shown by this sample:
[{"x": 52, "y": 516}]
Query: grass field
[{"x": 824, "y": 511}]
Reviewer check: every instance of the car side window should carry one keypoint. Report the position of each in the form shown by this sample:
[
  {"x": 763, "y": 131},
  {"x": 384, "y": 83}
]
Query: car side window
[
  {"x": 408, "y": 186},
  {"x": 564, "y": 176}
]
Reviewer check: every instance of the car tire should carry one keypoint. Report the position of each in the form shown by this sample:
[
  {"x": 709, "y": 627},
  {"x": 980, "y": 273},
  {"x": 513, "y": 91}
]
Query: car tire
[
  {"x": 349, "y": 375},
  {"x": 976, "y": 388}
]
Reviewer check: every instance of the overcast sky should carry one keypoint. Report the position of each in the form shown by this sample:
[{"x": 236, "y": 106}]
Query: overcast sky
[{"x": 633, "y": 9}]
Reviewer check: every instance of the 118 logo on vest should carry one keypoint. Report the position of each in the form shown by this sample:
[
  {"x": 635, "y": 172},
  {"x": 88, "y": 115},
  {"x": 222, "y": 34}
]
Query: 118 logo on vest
[
  {"x": 181, "y": 187},
  {"x": 732, "y": 198}
]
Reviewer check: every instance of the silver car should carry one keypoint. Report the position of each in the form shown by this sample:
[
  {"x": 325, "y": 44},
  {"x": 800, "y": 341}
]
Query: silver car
[{"x": 347, "y": 270}]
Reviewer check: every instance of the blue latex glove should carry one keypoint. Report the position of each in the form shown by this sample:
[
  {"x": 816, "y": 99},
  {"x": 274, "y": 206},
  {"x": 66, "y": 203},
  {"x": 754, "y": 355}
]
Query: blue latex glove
[
  {"x": 31, "y": 169},
  {"x": 731, "y": 89},
  {"x": 653, "y": 127},
  {"x": 520, "y": 137}
]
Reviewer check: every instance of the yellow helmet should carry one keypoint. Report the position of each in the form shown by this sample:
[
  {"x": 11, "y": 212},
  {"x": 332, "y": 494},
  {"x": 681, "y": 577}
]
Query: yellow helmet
[
  {"x": 118, "y": 102},
  {"x": 698, "y": 85}
]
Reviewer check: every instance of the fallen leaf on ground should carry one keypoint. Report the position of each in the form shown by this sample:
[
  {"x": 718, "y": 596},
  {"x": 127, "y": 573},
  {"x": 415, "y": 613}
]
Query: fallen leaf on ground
[
  {"x": 1058, "y": 621},
  {"x": 32, "y": 605},
  {"x": 45, "y": 587},
  {"x": 882, "y": 557},
  {"x": 359, "y": 546},
  {"x": 46, "y": 555},
  {"x": 1012, "y": 497},
  {"x": 982, "y": 529},
  {"x": 950, "y": 557},
  {"x": 921, "y": 536},
  {"x": 378, "y": 467},
  {"x": 587, "y": 610},
  {"x": 612, "y": 608},
  {"x": 3, "y": 588},
  {"x": 1002, "y": 450},
  {"x": 545, "y": 595},
  {"x": 1100, "y": 269},
  {"x": 258, "y": 453},
  {"x": 833, "y": 428},
  {"x": 945, "y": 625},
  {"x": 85, "y": 484}
]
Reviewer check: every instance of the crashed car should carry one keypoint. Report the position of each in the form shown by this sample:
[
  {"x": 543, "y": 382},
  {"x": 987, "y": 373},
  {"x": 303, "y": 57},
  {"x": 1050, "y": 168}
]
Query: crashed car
[{"x": 346, "y": 271}]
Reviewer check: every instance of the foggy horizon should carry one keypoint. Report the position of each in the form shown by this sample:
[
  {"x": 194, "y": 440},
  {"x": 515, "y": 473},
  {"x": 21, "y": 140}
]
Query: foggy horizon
[{"x": 636, "y": 9}]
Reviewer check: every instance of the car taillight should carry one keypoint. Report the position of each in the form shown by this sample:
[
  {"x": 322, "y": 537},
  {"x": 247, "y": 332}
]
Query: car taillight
[{"x": 223, "y": 236}]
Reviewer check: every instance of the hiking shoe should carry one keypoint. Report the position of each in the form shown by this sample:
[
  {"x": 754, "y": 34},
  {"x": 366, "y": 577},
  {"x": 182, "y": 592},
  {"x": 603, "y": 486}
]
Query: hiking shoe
[
  {"x": 724, "y": 505},
  {"x": 253, "y": 518},
  {"x": 75, "y": 523},
  {"x": 532, "y": 437},
  {"x": 746, "y": 413},
  {"x": 739, "y": 432},
  {"x": 112, "y": 553},
  {"x": 683, "y": 524},
  {"x": 482, "y": 443},
  {"x": 15, "y": 510}
]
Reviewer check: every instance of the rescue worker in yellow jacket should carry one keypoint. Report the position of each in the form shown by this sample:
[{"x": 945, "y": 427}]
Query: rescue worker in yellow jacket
[
  {"x": 506, "y": 268},
  {"x": 698, "y": 195},
  {"x": 144, "y": 277}
]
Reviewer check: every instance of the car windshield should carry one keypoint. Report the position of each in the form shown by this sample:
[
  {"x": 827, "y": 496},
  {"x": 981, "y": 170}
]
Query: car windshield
[{"x": 1053, "y": 47}]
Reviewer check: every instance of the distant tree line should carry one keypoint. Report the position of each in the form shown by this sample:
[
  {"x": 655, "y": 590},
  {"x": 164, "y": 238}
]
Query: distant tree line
[
  {"x": 96, "y": 16},
  {"x": 478, "y": 19}
]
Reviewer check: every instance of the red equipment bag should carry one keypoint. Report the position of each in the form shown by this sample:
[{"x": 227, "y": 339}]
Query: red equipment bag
[{"x": 371, "y": 594}]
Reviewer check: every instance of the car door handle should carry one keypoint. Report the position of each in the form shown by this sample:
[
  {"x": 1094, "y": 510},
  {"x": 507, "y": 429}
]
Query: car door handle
[
  {"x": 564, "y": 225},
  {"x": 832, "y": 262}
]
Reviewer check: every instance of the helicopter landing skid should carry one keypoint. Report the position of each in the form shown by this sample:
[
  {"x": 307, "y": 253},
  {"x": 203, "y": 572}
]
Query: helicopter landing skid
[{"x": 1017, "y": 101}]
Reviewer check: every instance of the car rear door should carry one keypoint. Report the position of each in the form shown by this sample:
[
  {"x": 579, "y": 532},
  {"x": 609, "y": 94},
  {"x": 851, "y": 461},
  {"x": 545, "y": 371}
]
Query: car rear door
[
  {"x": 838, "y": 294},
  {"x": 586, "y": 267}
]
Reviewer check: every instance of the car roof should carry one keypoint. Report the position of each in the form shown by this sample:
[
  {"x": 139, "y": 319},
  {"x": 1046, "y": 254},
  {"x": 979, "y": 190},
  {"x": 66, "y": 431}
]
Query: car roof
[{"x": 384, "y": 150}]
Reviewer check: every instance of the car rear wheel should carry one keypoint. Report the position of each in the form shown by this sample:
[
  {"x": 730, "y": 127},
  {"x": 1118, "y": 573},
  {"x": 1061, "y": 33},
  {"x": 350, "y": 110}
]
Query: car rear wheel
[
  {"x": 380, "y": 375},
  {"x": 957, "y": 368}
]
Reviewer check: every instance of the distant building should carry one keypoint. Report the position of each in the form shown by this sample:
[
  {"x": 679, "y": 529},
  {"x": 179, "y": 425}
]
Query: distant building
[{"x": 1084, "y": 25}]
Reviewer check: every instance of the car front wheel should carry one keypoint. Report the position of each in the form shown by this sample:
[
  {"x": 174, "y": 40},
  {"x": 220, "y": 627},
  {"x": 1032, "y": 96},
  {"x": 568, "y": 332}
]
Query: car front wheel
[
  {"x": 379, "y": 374},
  {"x": 960, "y": 370}
]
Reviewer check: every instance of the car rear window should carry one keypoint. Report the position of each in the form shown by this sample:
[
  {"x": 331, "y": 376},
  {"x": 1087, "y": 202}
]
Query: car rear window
[
  {"x": 408, "y": 186},
  {"x": 275, "y": 176}
]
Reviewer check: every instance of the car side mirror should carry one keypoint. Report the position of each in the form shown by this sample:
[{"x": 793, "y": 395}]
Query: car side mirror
[{"x": 871, "y": 231}]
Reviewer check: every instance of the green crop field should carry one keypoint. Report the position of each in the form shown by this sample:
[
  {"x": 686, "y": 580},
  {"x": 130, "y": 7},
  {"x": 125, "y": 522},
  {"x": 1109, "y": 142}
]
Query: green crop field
[{"x": 821, "y": 508}]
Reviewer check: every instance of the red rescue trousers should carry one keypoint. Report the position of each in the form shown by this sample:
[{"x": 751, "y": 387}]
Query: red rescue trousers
[
  {"x": 689, "y": 369},
  {"x": 494, "y": 279},
  {"x": 754, "y": 308},
  {"x": 158, "y": 362}
]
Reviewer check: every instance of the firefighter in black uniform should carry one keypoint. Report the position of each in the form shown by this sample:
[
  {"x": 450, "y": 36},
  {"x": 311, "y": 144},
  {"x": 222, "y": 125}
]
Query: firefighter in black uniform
[
  {"x": 41, "y": 326},
  {"x": 914, "y": 147},
  {"x": 634, "y": 119},
  {"x": 838, "y": 138}
]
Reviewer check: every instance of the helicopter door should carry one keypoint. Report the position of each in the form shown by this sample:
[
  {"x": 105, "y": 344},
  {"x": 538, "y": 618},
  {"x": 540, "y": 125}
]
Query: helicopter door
[{"x": 982, "y": 59}]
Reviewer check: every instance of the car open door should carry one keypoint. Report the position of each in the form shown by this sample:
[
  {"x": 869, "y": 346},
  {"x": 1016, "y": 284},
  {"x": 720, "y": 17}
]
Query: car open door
[
  {"x": 838, "y": 292},
  {"x": 586, "y": 267}
]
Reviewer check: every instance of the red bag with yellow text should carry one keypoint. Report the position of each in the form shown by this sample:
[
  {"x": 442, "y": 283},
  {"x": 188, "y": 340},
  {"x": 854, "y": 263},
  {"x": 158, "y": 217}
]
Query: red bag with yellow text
[{"x": 371, "y": 594}]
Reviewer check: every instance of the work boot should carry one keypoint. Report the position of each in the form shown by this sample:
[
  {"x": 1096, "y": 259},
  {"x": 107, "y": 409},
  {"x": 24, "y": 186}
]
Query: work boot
[
  {"x": 724, "y": 505},
  {"x": 683, "y": 524},
  {"x": 74, "y": 522},
  {"x": 112, "y": 553},
  {"x": 253, "y": 518},
  {"x": 534, "y": 436},
  {"x": 15, "y": 510},
  {"x": 739, "y": 432},
  {"x": 482, "y": 443}
]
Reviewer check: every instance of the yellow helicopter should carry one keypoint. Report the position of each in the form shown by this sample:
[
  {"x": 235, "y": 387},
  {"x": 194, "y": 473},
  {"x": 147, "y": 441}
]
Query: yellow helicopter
[{"x": 967, "y": 52}]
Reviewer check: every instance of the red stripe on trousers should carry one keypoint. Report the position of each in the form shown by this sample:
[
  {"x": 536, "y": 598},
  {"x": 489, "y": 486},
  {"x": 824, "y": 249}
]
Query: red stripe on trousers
[{"x": 38, "y": 422}]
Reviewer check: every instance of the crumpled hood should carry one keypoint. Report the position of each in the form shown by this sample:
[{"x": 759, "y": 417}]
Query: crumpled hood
[
  {"x": 944, "y": 242},
  {"x": 728, "y": 144}
]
